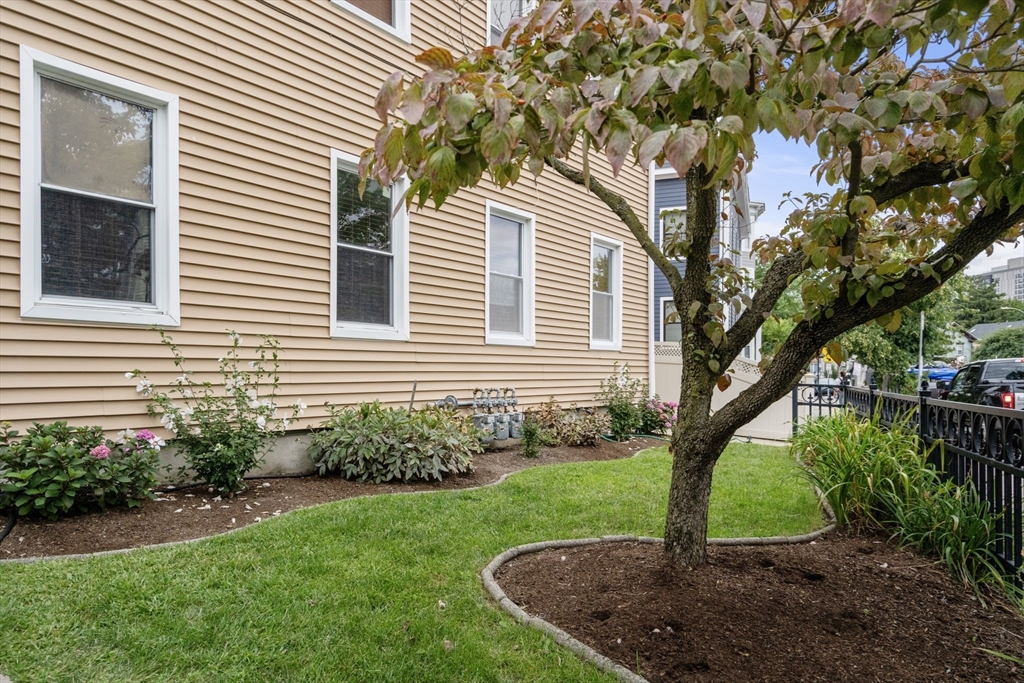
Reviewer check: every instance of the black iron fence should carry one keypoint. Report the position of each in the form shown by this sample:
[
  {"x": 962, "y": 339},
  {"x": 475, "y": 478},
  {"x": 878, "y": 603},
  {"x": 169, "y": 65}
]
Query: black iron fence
[{"x": 980, "y": 444}]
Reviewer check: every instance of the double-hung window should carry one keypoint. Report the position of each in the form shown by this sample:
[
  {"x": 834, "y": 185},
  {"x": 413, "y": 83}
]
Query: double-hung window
[
  {"x": 671, "y": 325},
  {"x": 369, "y": 259},
  {"x": 510, "y": 272},
  {"x": 392, "y": 16},
  {"x": 99, "y": 190},
  {"x": 605, "y": 293},
  {"x": 500, "y": 14}
]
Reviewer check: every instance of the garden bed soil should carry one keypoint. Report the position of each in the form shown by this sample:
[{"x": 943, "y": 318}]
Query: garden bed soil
[
  {"x": 844, "y": 608},
  {"x": 190, "y": 513}
]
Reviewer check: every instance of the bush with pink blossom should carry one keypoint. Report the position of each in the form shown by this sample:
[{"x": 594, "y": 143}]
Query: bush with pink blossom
[{"x": 56, "y": 470}]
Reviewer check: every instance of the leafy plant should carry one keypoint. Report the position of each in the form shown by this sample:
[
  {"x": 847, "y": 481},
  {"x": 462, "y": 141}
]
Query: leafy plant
[
  {"x": 878, "y": 478},
  {"x": 573, "y": 427},
  {"x": 222, "y": 431},
  {"x": 57, "y": 470},
  {"x": 657, "y": 416},
  {"x": 620, "y": 394},
  {"x": 372, "y": 442},
  {"x": 532, "y": 437},
  {"x": 1008, "y": 343}
]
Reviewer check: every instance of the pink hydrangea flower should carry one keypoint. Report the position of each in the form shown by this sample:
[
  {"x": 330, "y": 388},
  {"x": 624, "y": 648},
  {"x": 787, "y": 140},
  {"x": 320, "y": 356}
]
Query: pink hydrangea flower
[
  {"x": 145, "y": 435},
  {"x": 101, "y": 452}
]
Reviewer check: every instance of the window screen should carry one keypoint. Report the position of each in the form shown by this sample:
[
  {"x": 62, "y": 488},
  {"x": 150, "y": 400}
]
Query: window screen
[
  {"x": 96, "y": 198},
  {"x": 506, "y": 275},
  {"x": 381, "y": 9},
  {"x": 365, "y": 261},
  {"x": 603, "y": 299}
]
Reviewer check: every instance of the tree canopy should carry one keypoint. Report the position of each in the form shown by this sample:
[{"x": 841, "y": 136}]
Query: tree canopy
[
  {"x": 915, "y": 107},
  {"x": 1008, "y": 343}
]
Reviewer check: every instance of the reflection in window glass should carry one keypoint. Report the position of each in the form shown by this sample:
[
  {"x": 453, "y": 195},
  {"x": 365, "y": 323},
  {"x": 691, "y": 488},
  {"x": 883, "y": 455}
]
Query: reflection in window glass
[
  {"x": 365, "y": 259},
  {"x": 505, "y": 291}
]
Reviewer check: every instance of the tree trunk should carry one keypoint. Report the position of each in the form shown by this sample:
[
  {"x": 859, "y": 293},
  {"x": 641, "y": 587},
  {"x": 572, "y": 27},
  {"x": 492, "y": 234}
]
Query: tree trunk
[{"x": 686, "y": 526}]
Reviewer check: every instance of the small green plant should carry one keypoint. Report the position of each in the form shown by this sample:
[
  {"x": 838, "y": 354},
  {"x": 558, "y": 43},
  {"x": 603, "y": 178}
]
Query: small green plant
[
  {"x": 222, "y": 431},
  {"x": 532, "y": 437},
  {"x": 372, "y": 442},
  {"x": 57, "y": 470},
  {"x": 657, "y": 416},
  {"x": 620, "y": 394}
]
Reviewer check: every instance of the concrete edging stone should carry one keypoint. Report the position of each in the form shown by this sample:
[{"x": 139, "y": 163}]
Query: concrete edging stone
[{"x": 583, "y": 651}]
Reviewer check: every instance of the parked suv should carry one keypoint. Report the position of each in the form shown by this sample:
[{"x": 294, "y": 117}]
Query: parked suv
[{"x": 998, "y": 382}]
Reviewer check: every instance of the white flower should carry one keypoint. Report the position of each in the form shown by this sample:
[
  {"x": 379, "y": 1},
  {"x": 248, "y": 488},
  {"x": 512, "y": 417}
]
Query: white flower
[
  {"x": 220, "y": 360},
  {"x": 261, "y": 422},
  {"x": 235, "y": 337},
  {"x": 286, "y": 422},
  {"x": 126, "y": 434},
  {"x": 187, "y": 393},
  {"x": 187, "y": 412},
  {"x": 145, "y": 387},
  {"x": 251, "y": 393},
  {"x": 129, "y": 375},
  {"x": 180, "y": 380},
  {"x": 252, "y": 364},
  {"x": 300, "y": 406},
  {"x": 254, "y": 404}
]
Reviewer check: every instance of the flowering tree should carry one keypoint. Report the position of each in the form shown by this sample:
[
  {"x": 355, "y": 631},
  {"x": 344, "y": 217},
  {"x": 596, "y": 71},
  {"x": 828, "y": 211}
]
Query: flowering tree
[{"x": 914, "y": 106}]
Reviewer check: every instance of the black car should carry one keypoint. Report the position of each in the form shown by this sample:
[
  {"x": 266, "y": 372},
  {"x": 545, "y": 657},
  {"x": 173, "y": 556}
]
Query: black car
[{"x": 998, "y": 382}]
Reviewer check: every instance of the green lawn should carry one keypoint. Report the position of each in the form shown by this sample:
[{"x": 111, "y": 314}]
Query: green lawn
[{"x": 349, "y": 591}]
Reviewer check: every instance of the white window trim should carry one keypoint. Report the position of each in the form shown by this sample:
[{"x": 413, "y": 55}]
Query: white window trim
[
  {"x": 400, "y": 264},
  {"x": 615, "y": 344},
  {"x": 661, "y": 225},
  {"x": 528, "y": 220},
  {"x": 166, "y": 307},
  {"x": 402, "y": 28},
  {"x": 661, "y": 302},
  {"x": 528, "y": 7}
]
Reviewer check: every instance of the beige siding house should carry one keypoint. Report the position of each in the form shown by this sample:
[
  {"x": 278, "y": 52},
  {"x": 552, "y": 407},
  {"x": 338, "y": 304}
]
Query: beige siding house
[{"x": 181, "y": 164}]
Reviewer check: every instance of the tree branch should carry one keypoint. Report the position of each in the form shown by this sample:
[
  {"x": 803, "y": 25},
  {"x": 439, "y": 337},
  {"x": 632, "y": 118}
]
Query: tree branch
[
  {"x": 809, "y": 336},
  {"x": 774, "y": 284},
  {"x": 924, "y": 174},
  {"x": 622, "y": 209}
]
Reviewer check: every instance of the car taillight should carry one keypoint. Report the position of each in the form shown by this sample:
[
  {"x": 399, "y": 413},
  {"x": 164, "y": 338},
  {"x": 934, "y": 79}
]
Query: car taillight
[{"x": 1009, "y": 401}]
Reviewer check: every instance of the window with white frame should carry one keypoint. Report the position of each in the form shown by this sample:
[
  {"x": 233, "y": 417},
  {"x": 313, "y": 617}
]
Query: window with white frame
[
  {"x": 673, "y": 225},
  {"x": 369, "y": 259},
  {"x": 500, "y": 14},
  {"x": 510, "y": 273},
  {"x": 392, "y": 16},
  {"x": 99, "y": 196},
  {"x": 605, "y": 293},
  {"x": 671, "y": 325}
]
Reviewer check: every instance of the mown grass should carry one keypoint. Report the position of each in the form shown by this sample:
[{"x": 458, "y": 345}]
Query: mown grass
[{"x": 350, "y": 591}]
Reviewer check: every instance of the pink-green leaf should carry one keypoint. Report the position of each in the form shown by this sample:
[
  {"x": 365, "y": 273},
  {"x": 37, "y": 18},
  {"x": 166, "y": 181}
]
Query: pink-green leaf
[
  {"x": 651, "y": 147},
  {"x": 412, "y": 103},
  {"x": 437, "y": 58},
  {"x": 388, "y": 95},
  {"x": 619, "y": 142},
  {"x": 644, "y": 78},
  {"x": 674, "y": 73},
  {"x": 458, "y": 110}
]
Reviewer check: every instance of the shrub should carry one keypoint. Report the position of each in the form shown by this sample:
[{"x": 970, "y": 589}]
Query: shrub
[
  {"x": 656, "y": 416},
  {"x": 621, "y": 394},
  {"x": 371, "y": 442},
  {"x": 877, "y": 478},
  {"x": 532, "y": 437},
  {"x": 57, "y": 470},
  {"x": 222, "y": 431},
  {"x": 573, "y": 427}
]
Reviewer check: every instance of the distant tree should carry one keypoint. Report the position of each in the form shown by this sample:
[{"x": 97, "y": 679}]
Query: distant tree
[
  {"x": 976, "y": 302},
  {"x": 1007, "y": 343},
  {"x": 916, "y": 109}
]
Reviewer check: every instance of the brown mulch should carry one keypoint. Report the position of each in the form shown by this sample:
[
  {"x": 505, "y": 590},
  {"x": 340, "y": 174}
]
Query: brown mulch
[
  {"x": 183, "y": 514},
  {"x": 841, "y": 609}
]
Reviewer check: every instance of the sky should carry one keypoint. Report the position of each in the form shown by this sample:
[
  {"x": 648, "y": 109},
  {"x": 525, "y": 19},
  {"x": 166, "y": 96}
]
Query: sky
[{"x": 783, "y": 166}]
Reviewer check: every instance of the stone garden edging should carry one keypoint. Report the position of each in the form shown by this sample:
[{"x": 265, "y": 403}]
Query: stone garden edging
[{"x": 586, "y": 652}]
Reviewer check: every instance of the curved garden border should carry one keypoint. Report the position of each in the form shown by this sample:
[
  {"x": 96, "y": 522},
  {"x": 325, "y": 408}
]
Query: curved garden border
[{"x": 561, "y": 637}]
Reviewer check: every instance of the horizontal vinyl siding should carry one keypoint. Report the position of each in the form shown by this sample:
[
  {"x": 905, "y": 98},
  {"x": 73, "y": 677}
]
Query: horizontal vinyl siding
[{"x": 264, "y": 97}]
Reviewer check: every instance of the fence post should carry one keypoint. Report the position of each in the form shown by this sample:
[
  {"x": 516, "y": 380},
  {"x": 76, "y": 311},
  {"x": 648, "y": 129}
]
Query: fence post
[
  {"x": 796, "y": 408},
  {"x": 871, "y": 400},
  {"x": 922, "y": 407}
]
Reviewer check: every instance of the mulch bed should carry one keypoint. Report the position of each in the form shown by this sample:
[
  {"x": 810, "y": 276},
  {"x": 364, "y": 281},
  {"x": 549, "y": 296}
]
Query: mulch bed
[
  {"x": 189, "y": 513},
  {"x": 845, "y": 608}
]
